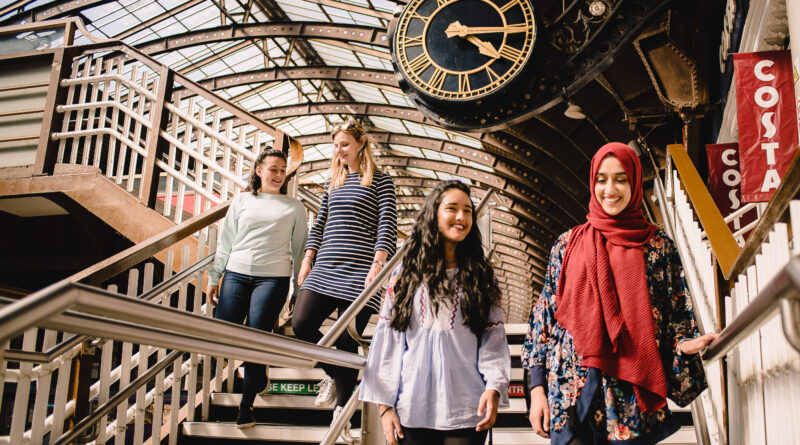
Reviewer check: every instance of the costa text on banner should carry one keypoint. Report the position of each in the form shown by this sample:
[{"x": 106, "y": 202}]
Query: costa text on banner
[{"x": 767, "y": 120}]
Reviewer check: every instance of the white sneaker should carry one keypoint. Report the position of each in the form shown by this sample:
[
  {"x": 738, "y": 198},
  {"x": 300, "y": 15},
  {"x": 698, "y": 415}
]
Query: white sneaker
[
  {"x": 326, "y": 393},
  {"x": 346, "y": 430}
]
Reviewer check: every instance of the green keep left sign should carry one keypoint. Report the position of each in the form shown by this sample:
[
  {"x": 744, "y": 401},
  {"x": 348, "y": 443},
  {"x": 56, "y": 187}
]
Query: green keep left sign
[{"x": 293, "y": 387}]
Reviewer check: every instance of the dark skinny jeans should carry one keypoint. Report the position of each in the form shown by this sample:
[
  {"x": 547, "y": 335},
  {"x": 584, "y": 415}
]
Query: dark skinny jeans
[{"x": 259, "y": 300}]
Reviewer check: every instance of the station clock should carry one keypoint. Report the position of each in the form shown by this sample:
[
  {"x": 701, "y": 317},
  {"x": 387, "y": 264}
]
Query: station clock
[{"x": 462, "y": 50}]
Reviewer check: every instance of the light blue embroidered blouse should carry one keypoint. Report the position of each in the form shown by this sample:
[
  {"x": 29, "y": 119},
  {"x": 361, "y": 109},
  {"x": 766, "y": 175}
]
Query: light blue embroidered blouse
[{"x": 435, "y": 372}]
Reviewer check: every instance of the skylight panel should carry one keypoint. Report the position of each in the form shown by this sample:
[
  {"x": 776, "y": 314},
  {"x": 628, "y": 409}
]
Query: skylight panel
[
  {"x": 468, "y": 141},
  {"x": 415, "y": 128},
  {"x": 119, "y": 20},
  {"x": 453, "y": 159},
  {"x": 478, "y": 166},
  {"x": 423, "y": 172},
  {"x": 436, "y": 156},
  {"x": 203, "y": 16},
  {"x": 333, "y": 55},
  {"x": 167, "y": 27},
  {"x": 370, "y": 61},
  {"x": 146, "y": 11},
  {"x": 384, "y": 5},
  {"x": 389, "y": 124},
  {"x": 364, "y": 92},
  {"x": 407, "y": 150},
  {"x": 280, "y": 95},
  {"x": 339, "y": 16},
  {"x": 435, "y": 132},
  {"x": 251, "y": 103},
  {"x": 96, "y": 13},
  {"x": 304, "y": 11},
  {"x": 397, "y": 99},
  {"x": 366, "y": 20}
]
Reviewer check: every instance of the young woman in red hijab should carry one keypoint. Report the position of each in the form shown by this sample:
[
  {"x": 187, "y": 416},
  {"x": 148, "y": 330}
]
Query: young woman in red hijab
[{"x": 612, "y": 334}]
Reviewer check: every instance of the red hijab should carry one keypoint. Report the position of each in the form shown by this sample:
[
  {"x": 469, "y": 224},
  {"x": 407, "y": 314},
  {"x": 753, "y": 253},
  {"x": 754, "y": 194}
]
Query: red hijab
[{"x": 602, "y": 298}]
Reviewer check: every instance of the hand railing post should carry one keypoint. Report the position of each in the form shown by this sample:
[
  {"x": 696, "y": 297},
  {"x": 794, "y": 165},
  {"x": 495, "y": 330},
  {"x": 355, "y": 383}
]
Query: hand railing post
[
  {"x": 47, "y": 150},
  {"x": 155, "y": 144}
]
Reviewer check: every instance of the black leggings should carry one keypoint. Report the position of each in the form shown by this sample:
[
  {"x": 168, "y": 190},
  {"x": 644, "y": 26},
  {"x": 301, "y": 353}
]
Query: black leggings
[
  {"x": 425, "y": 436},
  {"x": 310, "y": 310}
]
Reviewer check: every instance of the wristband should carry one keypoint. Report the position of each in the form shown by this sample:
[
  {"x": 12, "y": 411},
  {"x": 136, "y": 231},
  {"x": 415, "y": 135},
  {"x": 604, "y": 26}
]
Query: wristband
[
  {"x": 379, "y": 263},
  {"x": 389, "y": 408}
]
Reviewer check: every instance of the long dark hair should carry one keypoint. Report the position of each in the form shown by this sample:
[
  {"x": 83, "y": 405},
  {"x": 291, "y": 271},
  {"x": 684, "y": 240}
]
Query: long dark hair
[
  {"x": 254, "y": 183},
  {"x": 424, "y": 264}
]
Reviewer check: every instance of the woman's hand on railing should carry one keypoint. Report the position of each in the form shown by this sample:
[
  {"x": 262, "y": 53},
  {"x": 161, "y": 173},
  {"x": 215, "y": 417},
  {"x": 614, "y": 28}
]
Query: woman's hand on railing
[
  {"x": 391, "y": 424},
  {"x": 373, "y": 272},
  {"x": 211, "y": 294},
  {"x": 696, "y": 345},
  {"x": 540, "y": 412},
  {"x": 488, "y": 405},
  {"x": 377, "y": 265}
]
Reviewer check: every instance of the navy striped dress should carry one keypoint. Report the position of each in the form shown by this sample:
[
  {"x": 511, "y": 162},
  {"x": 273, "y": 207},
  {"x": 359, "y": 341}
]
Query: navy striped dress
[{"x": 353, "y": 222}]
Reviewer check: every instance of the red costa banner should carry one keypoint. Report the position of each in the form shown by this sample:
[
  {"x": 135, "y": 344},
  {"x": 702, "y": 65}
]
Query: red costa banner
[
  {"x": 767, "y": 120},
  {"x": 723, "y": 183}
]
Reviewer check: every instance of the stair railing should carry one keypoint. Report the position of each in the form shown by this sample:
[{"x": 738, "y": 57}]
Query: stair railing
[
  {"x": 161, "y": 333},
  {"x": 762, "y": 373}
]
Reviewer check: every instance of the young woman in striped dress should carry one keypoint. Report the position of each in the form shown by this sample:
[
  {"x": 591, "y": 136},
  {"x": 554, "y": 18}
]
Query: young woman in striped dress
[{"x": 353, "y": 236}]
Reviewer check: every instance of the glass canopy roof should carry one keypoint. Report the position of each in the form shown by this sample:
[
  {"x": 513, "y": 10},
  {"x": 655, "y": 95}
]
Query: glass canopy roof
[{"x": 138, "y": 22}]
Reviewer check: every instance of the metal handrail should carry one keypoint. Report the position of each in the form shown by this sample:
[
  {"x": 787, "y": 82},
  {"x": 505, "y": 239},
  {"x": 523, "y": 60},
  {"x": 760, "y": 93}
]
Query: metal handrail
[
  {"x": 66, "y": 344},
  {"x": 355, "y": 307},
  {"x": 781, "y": 294},
  {"x": 16, "y": 355},
  {"x": 175, "y": 280},
  {"x": 101, "y": 306}
]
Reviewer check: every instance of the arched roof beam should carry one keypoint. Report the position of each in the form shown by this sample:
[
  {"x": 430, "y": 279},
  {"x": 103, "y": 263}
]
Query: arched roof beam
[
  {"x": 303, "y": 30},
  {"x": 381, "y": 78}
]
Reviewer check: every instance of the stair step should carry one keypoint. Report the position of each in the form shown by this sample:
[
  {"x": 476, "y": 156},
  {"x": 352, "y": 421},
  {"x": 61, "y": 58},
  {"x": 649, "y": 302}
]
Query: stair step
[
  {"x": 269, "y": 401},
  {"x": 290, "y": 374},
  {"x": 261, "y": 431},
  {"x": 517, "y": 405},
  {"x": 514, "y": 436}
]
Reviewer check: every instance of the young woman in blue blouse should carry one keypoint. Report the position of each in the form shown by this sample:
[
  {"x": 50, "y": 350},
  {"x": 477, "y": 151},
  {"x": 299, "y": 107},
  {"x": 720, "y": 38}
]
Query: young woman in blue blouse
[
  {"x": 438, "y": 364},
  {"x": 261, "y": 243},
  {"x": 353, "y": 236},
  {"x": 612, "y": 334}
]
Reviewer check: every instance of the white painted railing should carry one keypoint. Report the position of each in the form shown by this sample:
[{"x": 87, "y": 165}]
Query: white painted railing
[
  {"x": 119, "y": 362},
  {"x": 763, "y": 373},
  {"x": 114, "y": 109}
]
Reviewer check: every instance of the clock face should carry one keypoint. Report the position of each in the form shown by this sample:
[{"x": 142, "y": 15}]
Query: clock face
[{"x": 463, "y": 49}]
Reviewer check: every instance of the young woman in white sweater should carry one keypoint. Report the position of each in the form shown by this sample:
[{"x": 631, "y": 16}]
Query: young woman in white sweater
[{"x": 260, "y": 248}]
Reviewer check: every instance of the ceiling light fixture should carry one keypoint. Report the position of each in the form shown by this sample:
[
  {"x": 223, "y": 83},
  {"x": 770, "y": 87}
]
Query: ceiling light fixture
[{"x": 574, "y": 111}]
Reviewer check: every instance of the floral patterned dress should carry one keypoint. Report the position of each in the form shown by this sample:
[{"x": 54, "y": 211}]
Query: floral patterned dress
[{"x": 609, "y": 405}]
